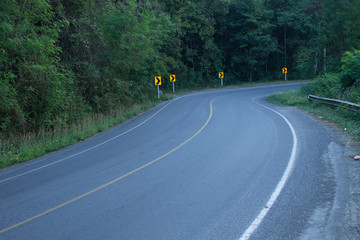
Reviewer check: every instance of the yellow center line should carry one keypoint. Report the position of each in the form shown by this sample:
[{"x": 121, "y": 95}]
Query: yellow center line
[{"x": 115, "y": 180}]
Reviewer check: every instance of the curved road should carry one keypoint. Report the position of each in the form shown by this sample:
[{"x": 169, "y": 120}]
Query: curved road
[{"x": 213, "y": 165}]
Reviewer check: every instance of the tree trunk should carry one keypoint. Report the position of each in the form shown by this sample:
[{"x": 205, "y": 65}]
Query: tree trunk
[
  {"x": 192, "y": 55},
  {"x": 316, "y": 63},
  {"x": 285, "y": 45},
  {"x": 266, "y": 63},
  {"x": 251, "y": 74},
  {"x": 324, "y": 59}
]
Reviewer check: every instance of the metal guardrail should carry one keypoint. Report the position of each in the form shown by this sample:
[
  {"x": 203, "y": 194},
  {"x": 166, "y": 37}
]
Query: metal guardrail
[{"x": 338, "y": 103}]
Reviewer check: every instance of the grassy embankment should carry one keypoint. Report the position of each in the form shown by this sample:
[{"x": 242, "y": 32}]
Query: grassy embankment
[
  {"x": 31, "y": 145},
  {"x": 347, "y": 120},
  {"x": 344, "y": 84}
]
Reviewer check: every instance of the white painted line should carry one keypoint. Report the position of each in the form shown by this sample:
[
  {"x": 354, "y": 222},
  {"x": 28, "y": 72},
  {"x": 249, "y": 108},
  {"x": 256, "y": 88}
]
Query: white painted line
[
  {"x": 255, "y": 224},
  {"x": 111, "y": 139},
  {"x": 88, "y": 149},
  {"x": 116, "y": 179}
]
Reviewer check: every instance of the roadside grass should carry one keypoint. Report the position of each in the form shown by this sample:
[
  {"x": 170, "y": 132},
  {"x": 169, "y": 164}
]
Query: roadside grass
[
  {"x": 25, "y": 147},
  {"x": 31, "y": 145},
  {"x": 347, "y": 120}
]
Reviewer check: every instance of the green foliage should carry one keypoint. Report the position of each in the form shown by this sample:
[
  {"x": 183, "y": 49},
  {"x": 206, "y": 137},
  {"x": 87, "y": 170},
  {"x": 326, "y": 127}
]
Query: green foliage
[
  {"x": 341, "y": 21},
  {"x": 308, "y": 37},
  {"x": 64, "y": 61},
  {"x": 350, "y": 69},
  {"x": 344, "y": 85},
  {"x": 34, "y": 87},
  {"x": 250, "y": 40},
  {"x": 201, "y": 24},
  {"x": 327, "y": 85},
  {"x": 11, "y": 117},
  {"x": 350, "y": 76}
]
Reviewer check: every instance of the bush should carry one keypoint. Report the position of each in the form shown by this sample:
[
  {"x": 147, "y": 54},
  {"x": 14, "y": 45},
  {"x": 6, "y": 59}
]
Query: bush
[
  {"x": 350, "y": 69},
  {"x": 327, "y": 85},
  {"x": 344, "y": 85}
]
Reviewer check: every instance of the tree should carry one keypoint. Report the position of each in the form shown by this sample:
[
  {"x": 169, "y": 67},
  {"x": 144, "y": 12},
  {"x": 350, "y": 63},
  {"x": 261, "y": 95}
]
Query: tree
[
  {"x": 199, "y": 38},
  {"x": 250, "y": 40},
  {"x": 33, "y": 85},
  {"x": 341, "y": 24}
]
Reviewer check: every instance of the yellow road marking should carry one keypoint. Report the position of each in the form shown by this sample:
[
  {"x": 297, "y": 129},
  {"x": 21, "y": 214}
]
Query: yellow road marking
[{"x": 115, "y": 180}]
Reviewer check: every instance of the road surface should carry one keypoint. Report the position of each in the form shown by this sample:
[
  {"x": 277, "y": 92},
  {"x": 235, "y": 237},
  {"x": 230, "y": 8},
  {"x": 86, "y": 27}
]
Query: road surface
[{"x": 213, "y": 165}]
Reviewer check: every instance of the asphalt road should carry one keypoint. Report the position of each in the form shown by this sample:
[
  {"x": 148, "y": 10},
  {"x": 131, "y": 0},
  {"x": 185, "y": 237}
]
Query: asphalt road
[{"x": 214, "y": 165}]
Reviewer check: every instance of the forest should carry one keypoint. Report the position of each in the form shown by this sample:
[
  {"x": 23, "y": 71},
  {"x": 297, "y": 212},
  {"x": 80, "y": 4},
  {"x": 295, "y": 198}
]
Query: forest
[{"x": 63, "y": 60}]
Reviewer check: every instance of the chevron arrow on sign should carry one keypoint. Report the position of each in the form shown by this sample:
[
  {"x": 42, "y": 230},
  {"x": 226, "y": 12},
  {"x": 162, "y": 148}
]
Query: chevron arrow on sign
[
  {"x": 172, "y": 78},
  {"x": 158, "y": 81}
]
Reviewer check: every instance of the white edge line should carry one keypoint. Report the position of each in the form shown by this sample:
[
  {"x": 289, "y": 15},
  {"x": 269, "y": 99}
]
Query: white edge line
[
  {"x": 255, "y": 224},
  {"x": 88, "y": 149}
]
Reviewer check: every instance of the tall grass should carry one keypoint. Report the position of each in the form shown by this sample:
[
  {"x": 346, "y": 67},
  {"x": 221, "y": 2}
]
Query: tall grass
[{"x": 21, "y": 148}]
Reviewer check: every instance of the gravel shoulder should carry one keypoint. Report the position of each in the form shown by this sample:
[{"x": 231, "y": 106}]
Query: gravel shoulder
[{"x": 339, "y": 219}]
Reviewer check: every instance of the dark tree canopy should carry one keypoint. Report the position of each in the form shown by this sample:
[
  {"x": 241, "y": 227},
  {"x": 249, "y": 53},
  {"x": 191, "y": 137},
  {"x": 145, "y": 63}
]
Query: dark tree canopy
[{"x": 63, "y": 60}]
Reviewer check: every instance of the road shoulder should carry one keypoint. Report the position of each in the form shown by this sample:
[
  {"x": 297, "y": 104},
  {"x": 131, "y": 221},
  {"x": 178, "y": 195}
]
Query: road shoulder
[{"x": 340, "y": 218}]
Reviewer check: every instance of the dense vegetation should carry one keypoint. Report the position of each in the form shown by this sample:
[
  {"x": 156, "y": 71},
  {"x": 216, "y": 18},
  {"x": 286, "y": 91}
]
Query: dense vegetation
[
  {"x": 344, "y": 84},
  {"x": 62, "y": 61}
]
